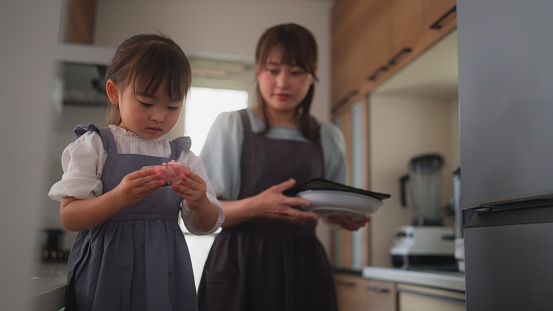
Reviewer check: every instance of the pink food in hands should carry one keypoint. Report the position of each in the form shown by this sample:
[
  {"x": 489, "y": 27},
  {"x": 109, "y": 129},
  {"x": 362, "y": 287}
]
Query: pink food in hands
[{"x": 171, "y": 171}]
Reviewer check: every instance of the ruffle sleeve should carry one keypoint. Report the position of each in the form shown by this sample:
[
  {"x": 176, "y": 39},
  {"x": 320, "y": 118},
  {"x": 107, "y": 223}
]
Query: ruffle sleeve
[{"x": 82, "y": 162}]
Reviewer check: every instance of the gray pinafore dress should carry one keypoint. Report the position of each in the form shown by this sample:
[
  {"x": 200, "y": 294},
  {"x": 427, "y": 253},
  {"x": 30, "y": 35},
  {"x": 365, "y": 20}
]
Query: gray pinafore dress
[
  {"x": 138, "y": 260},
  {"x": 265, "y": 264}
]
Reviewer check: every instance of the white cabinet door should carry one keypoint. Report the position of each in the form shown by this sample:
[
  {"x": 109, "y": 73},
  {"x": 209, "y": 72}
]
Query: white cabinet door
[{"x": 416, "y": 298}]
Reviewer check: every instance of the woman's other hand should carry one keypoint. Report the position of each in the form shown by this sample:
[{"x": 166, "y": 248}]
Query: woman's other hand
[{"x": 348, "y": 223}]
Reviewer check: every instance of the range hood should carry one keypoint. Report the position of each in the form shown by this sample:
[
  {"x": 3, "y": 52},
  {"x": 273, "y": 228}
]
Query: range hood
[
  {"x": 81, "y": 71},
  {"x": 80, "y": 74},
  {"x": 81, "y": 84}
]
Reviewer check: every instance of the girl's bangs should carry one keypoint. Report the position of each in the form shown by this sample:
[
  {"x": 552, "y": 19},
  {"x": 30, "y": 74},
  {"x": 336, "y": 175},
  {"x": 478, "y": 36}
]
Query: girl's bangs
[{"x": 152, "y": 70}]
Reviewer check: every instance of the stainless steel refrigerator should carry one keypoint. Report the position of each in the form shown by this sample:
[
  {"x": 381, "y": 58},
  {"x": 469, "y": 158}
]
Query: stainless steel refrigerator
[{"x": 506, "y": 126}]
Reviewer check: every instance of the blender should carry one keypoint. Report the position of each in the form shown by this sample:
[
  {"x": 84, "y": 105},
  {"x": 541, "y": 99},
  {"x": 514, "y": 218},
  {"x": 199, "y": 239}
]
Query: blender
[{"x": 426, "y": 243}]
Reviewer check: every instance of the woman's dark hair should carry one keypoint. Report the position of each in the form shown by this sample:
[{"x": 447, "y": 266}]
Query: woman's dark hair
[
  {"x": 298, "y": 48},
  {"x": 144, "y": 62}
]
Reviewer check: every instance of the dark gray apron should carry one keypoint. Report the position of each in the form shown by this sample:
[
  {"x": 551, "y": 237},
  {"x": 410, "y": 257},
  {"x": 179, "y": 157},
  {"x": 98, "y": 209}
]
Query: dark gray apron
[{"x": 266, "y": 264}]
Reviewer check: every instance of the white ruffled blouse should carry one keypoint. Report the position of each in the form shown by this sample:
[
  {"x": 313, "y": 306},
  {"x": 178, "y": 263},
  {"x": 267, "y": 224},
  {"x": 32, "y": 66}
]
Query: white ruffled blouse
[{"x": 83, "y": 160}]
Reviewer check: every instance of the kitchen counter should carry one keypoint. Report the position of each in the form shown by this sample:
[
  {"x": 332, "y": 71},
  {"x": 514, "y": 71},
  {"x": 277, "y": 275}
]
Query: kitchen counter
[
  {"x": 47, "y": 286},
  {"x": 437, "y": 279}
]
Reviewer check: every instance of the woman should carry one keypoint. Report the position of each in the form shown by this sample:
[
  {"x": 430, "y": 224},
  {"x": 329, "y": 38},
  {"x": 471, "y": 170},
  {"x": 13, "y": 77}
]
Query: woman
[{"x": 267, "y": 257}]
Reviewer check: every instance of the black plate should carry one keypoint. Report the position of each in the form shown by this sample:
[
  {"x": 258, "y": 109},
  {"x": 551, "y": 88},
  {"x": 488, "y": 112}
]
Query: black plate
[{"x": 324, "y": 184}]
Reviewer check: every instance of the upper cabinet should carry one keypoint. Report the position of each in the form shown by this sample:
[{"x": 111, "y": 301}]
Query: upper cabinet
[
  {"x": 440, "y": 17},
  {"x": 348, "y": 26},
  {"x": 373, "y": 39}
]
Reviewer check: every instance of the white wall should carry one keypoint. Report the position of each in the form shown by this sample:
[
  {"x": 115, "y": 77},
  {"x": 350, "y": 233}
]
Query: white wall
[
  {"x": 220, "y": 29},
  {"x": 400, "y": 128},
  {"x": 28, "y": 32}
]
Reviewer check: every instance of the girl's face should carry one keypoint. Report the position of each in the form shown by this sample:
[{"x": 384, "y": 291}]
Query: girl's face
[
  {"x": 282, "y": 86},
  {"x": 148, "y": 116}
]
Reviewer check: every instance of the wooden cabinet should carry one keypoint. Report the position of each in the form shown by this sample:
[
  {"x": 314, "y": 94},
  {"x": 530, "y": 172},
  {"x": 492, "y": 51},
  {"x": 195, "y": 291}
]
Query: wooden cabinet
[
  {"x": 355, "y": 293},
  {"x": 77, "y": 21},
  {"x": 373, "y": 39},
  {"x": 348, "y": 23},
  {"x": 440, "y": 17},
  {"x": 418, "y": 298}
]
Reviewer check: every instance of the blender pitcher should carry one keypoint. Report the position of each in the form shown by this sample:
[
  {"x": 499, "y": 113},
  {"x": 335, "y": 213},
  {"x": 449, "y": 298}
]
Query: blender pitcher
[{"x": 425, "y": 179}]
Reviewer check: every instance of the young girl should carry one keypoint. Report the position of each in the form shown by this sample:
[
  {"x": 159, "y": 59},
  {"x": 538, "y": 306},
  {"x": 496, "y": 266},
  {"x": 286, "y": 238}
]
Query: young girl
[
  {"x": 267, "y": 257},
  {"x": 130, "y": 253}
]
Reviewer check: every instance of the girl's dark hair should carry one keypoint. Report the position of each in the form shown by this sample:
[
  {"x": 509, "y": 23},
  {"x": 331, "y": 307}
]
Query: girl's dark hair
[
  {"x": 299, "y": 48},
  {"x": 145, "y": 61}
]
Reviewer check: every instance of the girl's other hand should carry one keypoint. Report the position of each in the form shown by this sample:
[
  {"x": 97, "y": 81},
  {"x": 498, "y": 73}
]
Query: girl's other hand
[
  {"x": 192, "y": 189},
  {"x": 272, "y": 203},
  {"x": 136, "y": 185}
]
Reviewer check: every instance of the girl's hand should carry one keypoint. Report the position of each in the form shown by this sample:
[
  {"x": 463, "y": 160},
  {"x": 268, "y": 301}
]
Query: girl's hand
[
  {"x": 136, "y": 185},
  {"x": 78, "y": 215},
  {"x": 271, "y": 203},
  {"x": 348, "y": 223},
  {"x": 192, "y": 189}
]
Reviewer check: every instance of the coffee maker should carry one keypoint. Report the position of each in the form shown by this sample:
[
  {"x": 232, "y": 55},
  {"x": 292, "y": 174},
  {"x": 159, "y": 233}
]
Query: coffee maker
[{"x": 426, "y": 243}]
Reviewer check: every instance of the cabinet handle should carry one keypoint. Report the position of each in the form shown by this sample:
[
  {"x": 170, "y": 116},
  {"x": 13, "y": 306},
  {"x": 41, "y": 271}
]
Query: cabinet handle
[
  {"x": 344, "y": 100},
  {"x": 438, "y": 23},
  {"x": 378, "y": 290},
  {"x": 393, "y": 61},
  {"x": 398, "y": 55},
  {"x": 433, "y": 296},
  {"x": 375, "y": 74}
]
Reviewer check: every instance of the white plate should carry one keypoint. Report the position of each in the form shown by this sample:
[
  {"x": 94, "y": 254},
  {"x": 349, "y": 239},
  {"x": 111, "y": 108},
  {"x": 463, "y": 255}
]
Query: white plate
[
  {"x": 325, "y": 201},
  {"x": 329, "y": 211}
]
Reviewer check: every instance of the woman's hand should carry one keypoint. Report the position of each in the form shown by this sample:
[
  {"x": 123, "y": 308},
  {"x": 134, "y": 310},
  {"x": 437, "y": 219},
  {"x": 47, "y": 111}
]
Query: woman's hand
[
  {"x": 272, "y": 203},
  {"x": 348, "y": 223}
]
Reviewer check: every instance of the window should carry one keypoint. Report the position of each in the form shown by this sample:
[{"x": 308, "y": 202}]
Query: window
[
  {"x": 203, "y": 106},
  {"x": 217, "y": 86}
]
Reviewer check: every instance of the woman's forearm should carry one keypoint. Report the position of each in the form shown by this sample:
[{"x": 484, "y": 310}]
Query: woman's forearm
[{"x": 238, "y": 211}]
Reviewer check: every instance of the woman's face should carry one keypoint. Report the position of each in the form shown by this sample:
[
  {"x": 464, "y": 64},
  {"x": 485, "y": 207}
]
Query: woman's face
[{"x": 283, "y": 86}]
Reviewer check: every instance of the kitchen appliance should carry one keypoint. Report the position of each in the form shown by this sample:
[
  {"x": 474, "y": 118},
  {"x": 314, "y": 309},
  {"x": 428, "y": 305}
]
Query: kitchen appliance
[
  {"x": 52, "y": 245},
  {"x": 505, "y": 108},
  {"x": 459, "y": 221},
  {"x": 425, "y": 178},
  {"x": 424, "y": 248},
  {"x": 426, "y": 243}
]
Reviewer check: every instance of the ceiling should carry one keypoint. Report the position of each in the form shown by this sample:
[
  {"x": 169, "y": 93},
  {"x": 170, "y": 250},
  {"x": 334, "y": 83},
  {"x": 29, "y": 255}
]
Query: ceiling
[{"x": 434, "y": 74}]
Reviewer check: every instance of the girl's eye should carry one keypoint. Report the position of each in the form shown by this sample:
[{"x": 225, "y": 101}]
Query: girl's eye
[
  {"x": 146, "y": 104},
  {"x": 297, "y": 73},
  {"x": 172, "y": 108}
]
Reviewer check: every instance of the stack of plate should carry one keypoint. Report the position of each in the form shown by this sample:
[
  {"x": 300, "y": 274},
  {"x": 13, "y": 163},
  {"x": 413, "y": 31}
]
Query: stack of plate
[{"x": 330, "y": 198}]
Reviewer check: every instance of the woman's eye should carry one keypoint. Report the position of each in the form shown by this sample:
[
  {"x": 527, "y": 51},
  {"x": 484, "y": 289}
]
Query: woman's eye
[
  {"x": 297, "y": 73},
  {"x": 273, "y": 71}
]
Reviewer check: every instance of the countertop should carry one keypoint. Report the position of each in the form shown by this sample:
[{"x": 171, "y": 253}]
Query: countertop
[
  {"x": 437, "y": 279},
  {"x": 47, "y": 286}
]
